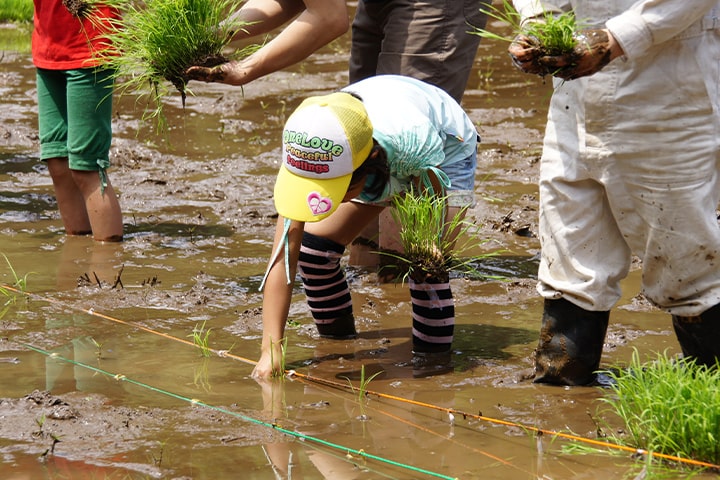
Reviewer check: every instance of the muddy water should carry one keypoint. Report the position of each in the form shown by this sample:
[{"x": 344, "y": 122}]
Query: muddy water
[{"x": 109, "y": 327}]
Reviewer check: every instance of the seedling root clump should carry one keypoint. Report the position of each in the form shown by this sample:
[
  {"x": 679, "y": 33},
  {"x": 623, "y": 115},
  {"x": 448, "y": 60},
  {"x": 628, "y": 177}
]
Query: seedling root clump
[
  {"x": 154, "y": 42},
  {"x": 77, "y": 8}
]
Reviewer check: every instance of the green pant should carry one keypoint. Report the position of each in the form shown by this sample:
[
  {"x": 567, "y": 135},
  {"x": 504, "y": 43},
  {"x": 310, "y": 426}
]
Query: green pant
[{"x": 74, "y": 113}]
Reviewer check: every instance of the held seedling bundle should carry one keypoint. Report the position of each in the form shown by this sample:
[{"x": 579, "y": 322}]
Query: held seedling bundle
[
  {"x": 432, "y": 243},
  {"x": 553, "y": 33},
  {"x": 78, "y": 8},
  {"x": 154, "y": 42}
]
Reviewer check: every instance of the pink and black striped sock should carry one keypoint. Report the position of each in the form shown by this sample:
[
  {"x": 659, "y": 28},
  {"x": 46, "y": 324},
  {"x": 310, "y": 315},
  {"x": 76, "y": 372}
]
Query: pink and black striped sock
[
  {"x": 326, "y": 288},
  {"x": 433, "y": 314}
]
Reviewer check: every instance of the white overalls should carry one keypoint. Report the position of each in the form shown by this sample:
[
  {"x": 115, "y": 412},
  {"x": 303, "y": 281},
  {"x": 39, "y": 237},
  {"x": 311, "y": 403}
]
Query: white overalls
[{"x": 630, "y": 161}]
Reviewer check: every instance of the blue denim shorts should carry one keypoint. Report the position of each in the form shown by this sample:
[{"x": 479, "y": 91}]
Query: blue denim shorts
[{"x": 462, "y": 182}]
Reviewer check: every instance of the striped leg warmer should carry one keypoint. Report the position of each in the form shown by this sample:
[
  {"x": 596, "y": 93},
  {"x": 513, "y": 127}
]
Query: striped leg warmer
[
  {"x": 433, "y": 314},
  {"x": 326, "y": 288}
]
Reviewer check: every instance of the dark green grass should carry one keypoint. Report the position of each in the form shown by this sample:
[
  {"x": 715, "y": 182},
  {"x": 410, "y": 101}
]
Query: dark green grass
[{"x": 16, "y": 11}]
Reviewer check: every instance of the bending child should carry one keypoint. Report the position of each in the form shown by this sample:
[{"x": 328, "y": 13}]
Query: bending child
[{"x": 345, "y": 155}]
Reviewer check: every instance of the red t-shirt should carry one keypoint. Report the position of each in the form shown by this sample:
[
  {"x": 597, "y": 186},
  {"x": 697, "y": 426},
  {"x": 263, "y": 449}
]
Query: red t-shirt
[{"x": 61, "y": 41}]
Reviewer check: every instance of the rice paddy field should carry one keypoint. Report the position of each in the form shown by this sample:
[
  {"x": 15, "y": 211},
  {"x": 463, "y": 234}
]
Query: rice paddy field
[{"x": 133, "y": 360}]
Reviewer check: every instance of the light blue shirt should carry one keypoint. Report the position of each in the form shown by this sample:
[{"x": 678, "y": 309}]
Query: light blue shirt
[{"x": 420, "y": 126}]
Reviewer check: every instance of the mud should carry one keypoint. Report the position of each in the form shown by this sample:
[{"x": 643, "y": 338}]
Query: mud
[
  {"x": 89, "y": 427},
  {"x": 199, "y": 220}
]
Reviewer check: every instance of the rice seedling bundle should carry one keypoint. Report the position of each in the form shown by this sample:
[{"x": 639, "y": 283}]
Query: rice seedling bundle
[
  {"x": 432, "y": 243},
  {"x": 552, "y": 33},
  {"x": 154, "y": 42},
  {"x": 670, "y": 407},
  {"x": 79, "y": 8},
  {"x": 422, "y": 220}
]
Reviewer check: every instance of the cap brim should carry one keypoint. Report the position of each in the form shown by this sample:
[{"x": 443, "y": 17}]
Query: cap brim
[{"x": 307, "y": 199}]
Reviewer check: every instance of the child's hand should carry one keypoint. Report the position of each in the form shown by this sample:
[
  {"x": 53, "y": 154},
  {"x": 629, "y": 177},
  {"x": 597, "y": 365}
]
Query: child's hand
[
  {"x": 264, "y": 368},
  {"x": 269, "y": 363}
]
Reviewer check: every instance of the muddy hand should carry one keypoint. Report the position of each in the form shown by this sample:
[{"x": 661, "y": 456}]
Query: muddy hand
[
  {"x": 525, "y": 55},
  {"x": 269, "y": 364},
  {"x": 206, "y": 74},
  {"x": 591, "y": 53}
]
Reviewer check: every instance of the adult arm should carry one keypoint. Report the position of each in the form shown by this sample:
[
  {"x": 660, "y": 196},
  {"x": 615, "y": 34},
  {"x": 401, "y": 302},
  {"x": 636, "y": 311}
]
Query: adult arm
[
  {"x": 276, "y": 299},
  {"x": 262, "y": 16},
  {"x": 319, "y": 22}
]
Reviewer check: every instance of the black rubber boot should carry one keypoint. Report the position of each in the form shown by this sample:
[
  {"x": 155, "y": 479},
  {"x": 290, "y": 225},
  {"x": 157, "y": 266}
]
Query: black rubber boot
[
  {"x": 699, "y": 336},
  {"x": 570, "y": 345}
]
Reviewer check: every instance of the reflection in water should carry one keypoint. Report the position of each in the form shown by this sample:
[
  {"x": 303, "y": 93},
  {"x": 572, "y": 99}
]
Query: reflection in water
[
  {"x": 62, "y": 376},
  {"x": 17, "y": 207},
  {"x": 23, "y": 205},
  {"x": 327, "y": 463},
  {"x": 84, "y": 261},
  {"x": 20, "y": 163},
  {"x": 280, "y": 455}
]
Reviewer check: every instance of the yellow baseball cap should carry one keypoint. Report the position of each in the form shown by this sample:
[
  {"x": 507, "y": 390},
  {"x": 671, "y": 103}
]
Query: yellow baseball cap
[{"x": 325, "y": 139}]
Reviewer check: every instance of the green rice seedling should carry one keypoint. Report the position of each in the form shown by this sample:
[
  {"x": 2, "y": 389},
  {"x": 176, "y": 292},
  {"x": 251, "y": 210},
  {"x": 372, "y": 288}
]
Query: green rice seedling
[
  {"x": 157, "y": 460},
  {"x": 154, "y": 43},
  {"x": 362, "y": 390},
  {"x": 19, "y": 282},
  {"x": 280, "y": 372},
  {"x": 201, "y": 338},
  {"x": 40, "y": 422},
  {"x": 10, "y": 294},
  {"x": 432, "y": 244},
  {"x": 98, "y": 347},
  {"x": 553, "y": 33},
  {"x": 669, "y": 407},
  {"x": 16, "y": 11}
]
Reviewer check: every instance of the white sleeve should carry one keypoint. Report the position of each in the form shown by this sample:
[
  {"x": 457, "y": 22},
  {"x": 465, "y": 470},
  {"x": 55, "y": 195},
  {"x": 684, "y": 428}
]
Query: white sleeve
[
  {"x": 652, "y": 22},
  {"x": 537, "y": 8}
]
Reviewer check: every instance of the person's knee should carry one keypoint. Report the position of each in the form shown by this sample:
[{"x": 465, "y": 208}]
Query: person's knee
[
  {"x": 58, "y": 168},
  {"x": 87, "y": 181}
]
